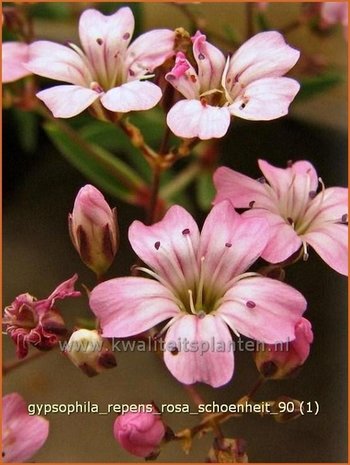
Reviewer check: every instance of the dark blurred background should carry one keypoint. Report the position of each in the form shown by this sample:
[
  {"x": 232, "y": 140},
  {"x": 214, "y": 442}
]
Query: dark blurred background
[{"x": 39, "y": 191}]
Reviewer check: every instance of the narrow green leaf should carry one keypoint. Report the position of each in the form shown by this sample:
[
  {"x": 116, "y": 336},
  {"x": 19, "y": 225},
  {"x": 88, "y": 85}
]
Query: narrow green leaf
[
  {"x": 316, "y": 85},
  {"x": 205, "y": 190}
]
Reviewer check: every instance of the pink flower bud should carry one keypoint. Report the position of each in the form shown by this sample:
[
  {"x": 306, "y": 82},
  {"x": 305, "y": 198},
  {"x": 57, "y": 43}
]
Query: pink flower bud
[
  {"x": 282, "y": 360},
  {"x": 140, "y": 433},
  {"x": 90, "y": 352},
  {"x": 94, "y": 230}
]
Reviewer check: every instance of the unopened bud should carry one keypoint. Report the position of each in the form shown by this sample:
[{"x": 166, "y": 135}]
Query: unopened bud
[
  {"x": 283, "y": 360},
  {"x": 228, "y": 450},
  {"x": 140, "y": 433},
  {"x": 90, "y": 352},
  {"x": 94, "y": 230}
]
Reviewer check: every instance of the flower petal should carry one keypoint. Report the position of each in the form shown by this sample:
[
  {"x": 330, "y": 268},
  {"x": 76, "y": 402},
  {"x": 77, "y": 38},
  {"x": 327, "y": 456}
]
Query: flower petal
[
  {"x": 190, "y": 118},
  {"x": 265, "y": 99},
  {"x": 169, "y": 246},
  {"x": 265, "y": 55},
  {"x": 23, "y": 435},
  {"x": 68, "y": 100},
  {"x": 132, "y": 96},
  {"x": 58, "y": 62},
  {"x": 199, "y": 350},
  {"x": 331, "y": 243},
  {"x": 149, "y": 51},
  {"x": 242, "y": 191},
  {"x": 262, "y": 308},
  {"x": 184, "y": 78},
  {"x": 14, "y": 55},
  {"x": 230, "y": 243},
  {"x": 129, "y": 306},
  {"x": 329, "y": 206},
  {"x": 283, "y": 241}
]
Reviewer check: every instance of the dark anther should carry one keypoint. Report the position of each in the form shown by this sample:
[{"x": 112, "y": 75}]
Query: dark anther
[
  {"x": 201, "y": 314},
  {"x": 3, "y": 454},
  {"x": 157, "y": 245},
  {"x": 262, "y": 180},
  {"x": 251, "y": 204},
  {"x": 174, "y": 351},
  {"x": 312, "y": 194},
  {"x": 131, "y": 72},
  {"x": 126, "y": 36},
  {"x": 201, "y": 56},
  {"x": 99, "y": 41},
  {"x": 193, "y": 78},
  {"x": 344, "y": 218},
  {"x": 186, "y": 231},
  {"x": 242, "y": 107},
  {"x": 228, "y": 244},
  {"x": 250, "y": 304},
  {"x": 290, "y": 220}
]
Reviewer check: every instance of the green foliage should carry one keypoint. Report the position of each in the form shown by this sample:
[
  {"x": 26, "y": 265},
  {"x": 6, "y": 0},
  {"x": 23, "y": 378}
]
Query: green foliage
[
  {"x": 205, "y": 190},
  {"x": 312, "y": 86}
]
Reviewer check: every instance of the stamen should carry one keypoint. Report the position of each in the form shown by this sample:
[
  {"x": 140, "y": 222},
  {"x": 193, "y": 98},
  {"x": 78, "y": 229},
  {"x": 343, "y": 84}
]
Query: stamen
[
  {"x": 192, "y": 307},
  {"x": 242, "y": 107},
  {"x": 199, "y": 299},
  {"x": 210, "y": 92},
  {"x": 312, "y": 194},
  {"x": 201, "y": 314},
  {"x": 250, "y": 304},
  {"x": 262, "y": 180},
  {"x": 186, "y": 231},
  {"x": 223, "y": 81},
  {"x": 251, "y": 204},
  {"x": 170, "y": 322},
  {"x": 228, "y": 244},
  {"x": 126, "y": 36},
  {"x": 99, "y": 41},
  {"x": 344, "y": 218},
  {"x": 157, "y": 245},
  {"x": 201, "y": 56},
  {"x": 290, "y": 221},
  {"x": 305, "y": 254},
  {"x": 96, "y": 87}
]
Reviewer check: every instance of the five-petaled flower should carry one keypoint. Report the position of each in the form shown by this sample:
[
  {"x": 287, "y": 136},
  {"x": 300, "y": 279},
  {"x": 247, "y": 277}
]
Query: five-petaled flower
[
  {"x": 37, "y": 322},
  {"x": 297, "y": 214},
  {"x": 22, "y": 434},
  {"x": 202, "y": 288},
  {"x": 249, "y": 85},
  {"x": 106, "y": 68}
]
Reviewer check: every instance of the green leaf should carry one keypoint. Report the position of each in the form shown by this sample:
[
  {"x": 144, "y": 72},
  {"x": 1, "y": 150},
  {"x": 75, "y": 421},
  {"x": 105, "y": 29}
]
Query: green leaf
[
  {"x": 205, "y": 190},
  {"x": 316, "y": 85},
  {"x": 51, "y": 11},
  {"x": 28, "y": 129},
  {"x": 262, "y": 22},
  {"x": 97, "y": 164}
]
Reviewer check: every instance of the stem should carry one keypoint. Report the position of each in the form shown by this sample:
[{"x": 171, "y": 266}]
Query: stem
[
  {"x": 182, "y": 180},
  {"x": 10, "y": 366},
  {"x": 152, "y": 207}
]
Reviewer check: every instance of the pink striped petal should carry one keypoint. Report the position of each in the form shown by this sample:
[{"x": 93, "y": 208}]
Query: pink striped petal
[
  {"x": 132, "y": 96},
  {"x": 197, "y": 356},
  {"x": 129, "y": 306},
  {"x": 169, "y": 246},
  {"x": 191, "y": 118},
  {"x": 230, "y": 243},
  {"x": 330, "y": 241},
  {"x": 265, "y": 99},
  {"x": 57, "y": 62},
  {"x": 241, "y": 190},
  {"x": 67, "y": 101},
  {"x": 23, "y": 435},
  {"x": 263, "y": 309},
  {"x": 14, "y": 55}
]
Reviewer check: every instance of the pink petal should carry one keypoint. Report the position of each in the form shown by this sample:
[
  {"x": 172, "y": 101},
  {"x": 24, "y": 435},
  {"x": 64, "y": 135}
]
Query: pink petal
[
  {"x": 23, "y": 435},
  {"x": 190, "y": 118},
  {"x": 230, "y": 243},
  {"x": 265, "y": 99},
  {"x": 132, "y": 96},
  {"x": 335, "y": 12},
  {"x": 129, "y": 306},
  {"x": 58, "y": 62},
  {"x": 149, "y": 51},
  {"x": 210, "y": 61},
  {"x": 283, "y": 241},
  {"x": 14, "y": 55},
  {"x": 184, "y": 78},
  {"x": 169, "y": 247},
  {"x": 67, "y": 101},
  {"x": 263, "y": 309},
  {"x": 330, "y": 241},
  {"x": 204, "y": 350},
  {"x": 242, "y": 191},
  {"x": 329, "y": 206},
  {"x": 266, "y": 55}
]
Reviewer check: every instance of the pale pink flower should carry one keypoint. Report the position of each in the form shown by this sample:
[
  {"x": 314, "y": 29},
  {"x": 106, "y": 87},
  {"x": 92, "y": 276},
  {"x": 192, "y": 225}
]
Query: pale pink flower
[
  {"x": 335, "y": 13},
  {"x": 106, "y": 68},
  {"x": 249, "y": 85},
  {"x": 140, "y": 433},
  {"x": 14, "y": 57},
  {"x": 22, "y": 434},
  {"x": 282, "y": 361},
  {"x": 94, "y": 229},
  {"x": 201, "y": 287},
  {"x": 37, "y": 322},
  {"x": 297, "y": 215}
]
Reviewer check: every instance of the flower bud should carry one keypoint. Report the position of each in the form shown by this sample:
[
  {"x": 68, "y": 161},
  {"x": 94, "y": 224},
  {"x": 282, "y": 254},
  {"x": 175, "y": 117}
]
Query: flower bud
[
  {"x": 140, "y": 433},
  {"x": 90, "y": 352},
  {"x": 228, "y": 450},
  {"x": 282, "y": 360},
  {"x": 94, "y": 230}
]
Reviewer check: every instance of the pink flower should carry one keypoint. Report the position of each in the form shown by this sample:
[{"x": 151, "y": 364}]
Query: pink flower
[
  {"x": 296, "y": 213},
  {"x": 107, "y": 68},
  {"x": 201, "y": 287},
  {"x": 139, "y": 433},
  {"x": 37, "y": 322},
  {"x": 22, "y": 434},
  {"x": 250, "y": 85},
  {"x": 278, "y": 362},
  {"x": 335, "y": 13},
  {"x": 93, "y": 229},
  {"x": 14, "y": 57}
]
